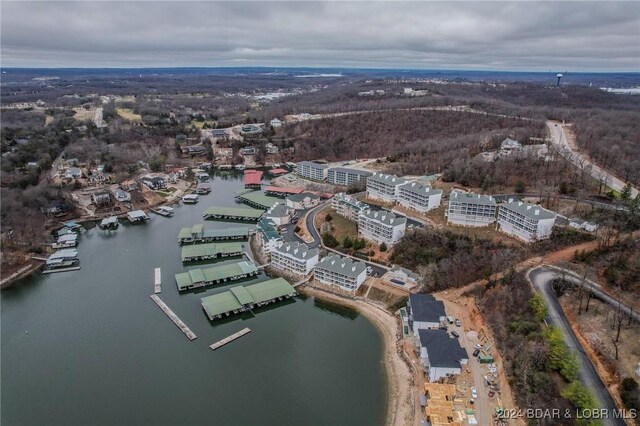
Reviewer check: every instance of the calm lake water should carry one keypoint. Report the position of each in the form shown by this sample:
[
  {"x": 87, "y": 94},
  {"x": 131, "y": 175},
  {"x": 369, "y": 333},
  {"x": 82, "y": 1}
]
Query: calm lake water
[{"x": 91, "y": 348}]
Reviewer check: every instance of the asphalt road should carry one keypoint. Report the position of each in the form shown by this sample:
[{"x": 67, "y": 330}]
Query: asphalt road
[
  {"x": 541, "y": 277},
  {"x": 559, "y": 138}
]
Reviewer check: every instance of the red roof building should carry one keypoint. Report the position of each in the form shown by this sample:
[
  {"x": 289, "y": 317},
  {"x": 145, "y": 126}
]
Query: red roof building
[
  {"x": 277, "y": 172},
  {"x": 252, "y": 179}
]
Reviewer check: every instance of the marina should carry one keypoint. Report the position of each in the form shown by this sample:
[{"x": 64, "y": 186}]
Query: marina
[
  {"x": 197, "y": 234},
  {"x": 157, "y": 281},
  {"x": 230, "y": 339},
  {"x": 198, "y": 277},
  {"x": 232, "y": 213},
  {"x": 173, "y": 317},
  {"x": 257, "y": 199},
  {"x": 243, "y": 299},
  {"x": 210, "y": 251}
]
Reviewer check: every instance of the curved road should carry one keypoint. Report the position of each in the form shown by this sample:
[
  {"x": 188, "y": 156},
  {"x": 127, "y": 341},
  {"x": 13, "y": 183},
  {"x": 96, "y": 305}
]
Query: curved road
[{"x": 541, "y": 277}]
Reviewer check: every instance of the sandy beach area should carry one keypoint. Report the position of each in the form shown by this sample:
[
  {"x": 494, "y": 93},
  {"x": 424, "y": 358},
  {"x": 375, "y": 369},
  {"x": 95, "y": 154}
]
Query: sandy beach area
[{"x": 400, "y": 387}]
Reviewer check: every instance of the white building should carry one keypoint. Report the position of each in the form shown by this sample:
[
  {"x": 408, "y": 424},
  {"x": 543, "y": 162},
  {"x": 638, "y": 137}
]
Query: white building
[
  {"x": 279, "y": 214},
  {"x": 312, "y": 170},
  {"x": 383, "y": 187},
  {"x": 275, "y": 123},
  {"x": 525, "y": 221},
  {"x": 440, "y": 354},
  {"x": 419, "y": 197},
  {"x": 347, "y": 206},
  {"x": 294, "y": 258},
  {"x": 302, "y": 201},
  {"x": 469, "y": 209},
  {"x": 267, "y": 235},
  {"x": 583, "y": 224},
  {"x": 341, "y": 271},
  {"x": 381, "y": 226},
  {"x": 345, "y": 177},
  {"x": 271, "y": 148},
  {"x": 510, "y": 145}
]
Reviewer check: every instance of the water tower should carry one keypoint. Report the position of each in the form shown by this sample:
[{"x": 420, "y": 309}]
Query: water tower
[{"x": 559, "y": 77}]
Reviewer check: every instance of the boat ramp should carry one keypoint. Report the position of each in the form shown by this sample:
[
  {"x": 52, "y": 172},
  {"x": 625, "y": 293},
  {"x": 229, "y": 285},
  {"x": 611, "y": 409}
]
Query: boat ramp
[
  {"x": 230, "y": 339},
  {"x": 198, "y": 277},
  {"x": 243, "y": 299},
  {"x": 194, "y": 253},
  {"x": 173, "y": 317},
  {"x": 197, "y": 234},
  {"x": 232, "y": 213}
]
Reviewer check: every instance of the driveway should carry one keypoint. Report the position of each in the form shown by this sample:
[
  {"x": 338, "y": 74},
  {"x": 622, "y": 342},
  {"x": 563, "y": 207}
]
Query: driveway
[{"x": 541, "y": 277}]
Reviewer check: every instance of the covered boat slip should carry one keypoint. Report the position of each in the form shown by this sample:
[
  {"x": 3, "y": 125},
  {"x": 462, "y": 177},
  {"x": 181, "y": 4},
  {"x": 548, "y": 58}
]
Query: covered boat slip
[
  {"x": 137, "y": 216},
  {"x": 201, "y": 277},
  {"x": 211, "y": 251},
  {"x": 233, "y": 213},
  {"x": 241, "y": 299},
  {"x": 257, "y": 199},
  {"x": 197, "y": 234},
  {"x": 110, "y": 223}
]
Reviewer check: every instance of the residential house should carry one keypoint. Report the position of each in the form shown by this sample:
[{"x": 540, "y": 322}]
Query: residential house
[
  {"x": 381, "y": 226},
  {"x": 345, "y": 177},
  {"x": 271, "y": 148},
  {"x": 101, "y": 198},
  {"x": 424, "y": 312},
  {"x": 129, "y": 185},
  {"x": 303, "y": 201},
  {"x": 469, "y": 209},
  {"x": 279, "y": 214},
  {"x": 384, "y": 187},
  {"x": 294, "y": 258},
  {"x": 267, "y": 235},
  {"x": 121, "y": 195},
  {"x": 440, "y": 354},
  {"x": 341, "y": 271},
  {"x": 312, "y": 170},
  {"x": 404, "y": 275},
  {"x": 347, "y": 206},
  {"x": 275, "y": 123},
  {"x": 194, "y": 150},
  {"x": 219, "y": 134},
  {"x": 222, "y": 152},
  {"x": 98, "y": 178},
  {"x": 510, "y": 145},
  {"x": 154, "y": 183},
  {"x": 528, "y": 222},
  {"x": 73, "y": 173},
  {"x": 248, "y": 151},
  {"x": 419, "y": 197}
]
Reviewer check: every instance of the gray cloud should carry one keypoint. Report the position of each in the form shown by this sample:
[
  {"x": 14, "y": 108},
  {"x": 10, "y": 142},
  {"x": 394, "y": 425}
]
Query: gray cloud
[{"x": 598, "y": 36}]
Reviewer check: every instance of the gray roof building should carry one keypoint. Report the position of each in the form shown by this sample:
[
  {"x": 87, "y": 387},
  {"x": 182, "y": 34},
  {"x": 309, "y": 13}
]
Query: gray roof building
[
  {"x": 528, "y": 210},
  {"x": 342, "y": 265},
  {"x": 471, "y": 198},
  {"x": 298, "y": 250},
  {"x": 386, "y": 179},
  {"x": 419, "y": 189},
  {"x": 443, "y": 350},
  {"x": 384, "y": 217},
  {"x": 425, "y": 308}
]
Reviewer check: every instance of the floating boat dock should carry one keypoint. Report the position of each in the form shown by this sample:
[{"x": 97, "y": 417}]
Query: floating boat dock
[
  {"x": 243, "y": 299},
  {"x": 215, "y": 275},
  {"x": 257, "y": 199},
  {"x": 53, "y": 271},
  {"x": 163, "y": 211},
  {"x": 197, "y": 234},
  {"x": 232, "y": 213},
  {"x": 210, "y": 251},
  {"x": 173, "y": 317},
  {"x": 109, "y": 223},
  {"x": 158, "y": 280},
  {"x": 137, "y": 216},
  {"x": 230, "y": 339}
]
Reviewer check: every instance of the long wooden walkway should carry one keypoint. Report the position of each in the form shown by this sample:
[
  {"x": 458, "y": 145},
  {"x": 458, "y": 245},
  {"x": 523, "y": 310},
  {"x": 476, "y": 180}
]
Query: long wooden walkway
[
  {"x": 53, "y": 271},
  {"x": 157, "y": 288},
  {"x": 229, "y": 339},
  {"x": 177, "y": 321}
]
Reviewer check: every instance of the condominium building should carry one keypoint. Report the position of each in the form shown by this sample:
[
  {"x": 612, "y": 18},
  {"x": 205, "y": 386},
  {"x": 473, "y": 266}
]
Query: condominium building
[
  {"x": 345, "y": 177},
  {"x": 469, "y": 209},
  {"x": 419, "y": 197},
  {"x": 312, "y": 170},
  {"x": 381, "y": 226},
  {"x": 341, "y": 271},
  {"x": 267, "y": 235},
  {"x": 294, "y": 258},
  {"x": 528, "y": 222},
  {"x": 383, "y": 187},
  {"x": 347, "y": 206}
]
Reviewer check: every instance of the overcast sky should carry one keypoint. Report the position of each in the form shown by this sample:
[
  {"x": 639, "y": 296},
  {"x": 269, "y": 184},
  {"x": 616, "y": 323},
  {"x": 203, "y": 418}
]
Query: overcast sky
[{"x": 575, "y": 36}]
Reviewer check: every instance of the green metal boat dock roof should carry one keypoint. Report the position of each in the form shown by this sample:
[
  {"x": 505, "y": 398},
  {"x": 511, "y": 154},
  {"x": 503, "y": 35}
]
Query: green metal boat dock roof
[
  {"x": 233, "y": 232},
  {"x": 233, "y": 212},
  {"x": 210, "y": 249},
  {"x": 239, "y": 296},
  {"x": 258, "y": 199},
  {"x": 212, "y": 274}
]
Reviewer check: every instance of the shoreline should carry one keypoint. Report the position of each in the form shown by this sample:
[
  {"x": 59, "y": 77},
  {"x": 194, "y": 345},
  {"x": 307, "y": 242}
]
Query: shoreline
[{"x": 399, "y": 380}]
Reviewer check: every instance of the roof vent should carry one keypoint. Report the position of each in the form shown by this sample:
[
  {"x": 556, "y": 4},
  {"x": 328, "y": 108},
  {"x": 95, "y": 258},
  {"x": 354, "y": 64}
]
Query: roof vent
[
  {"x": 529, "y": 207},
  {"x": 536, "y": 212},
  {"x": 353, "y": 268}
]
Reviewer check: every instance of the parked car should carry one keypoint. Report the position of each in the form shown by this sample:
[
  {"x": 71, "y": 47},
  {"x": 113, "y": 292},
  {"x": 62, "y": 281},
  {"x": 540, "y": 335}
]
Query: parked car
[
  {"x": 450, "y": 320},
  {"x": 369, "y": 270},
  {"x": 458, "y": 324},
  {"x": 491, "y": 393},
  {"x": 474, "y": 393},
  {"x": 455, "y": 334},
  {"x": 476, "y": 352},
  {"x": 477, "y": 346}
]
